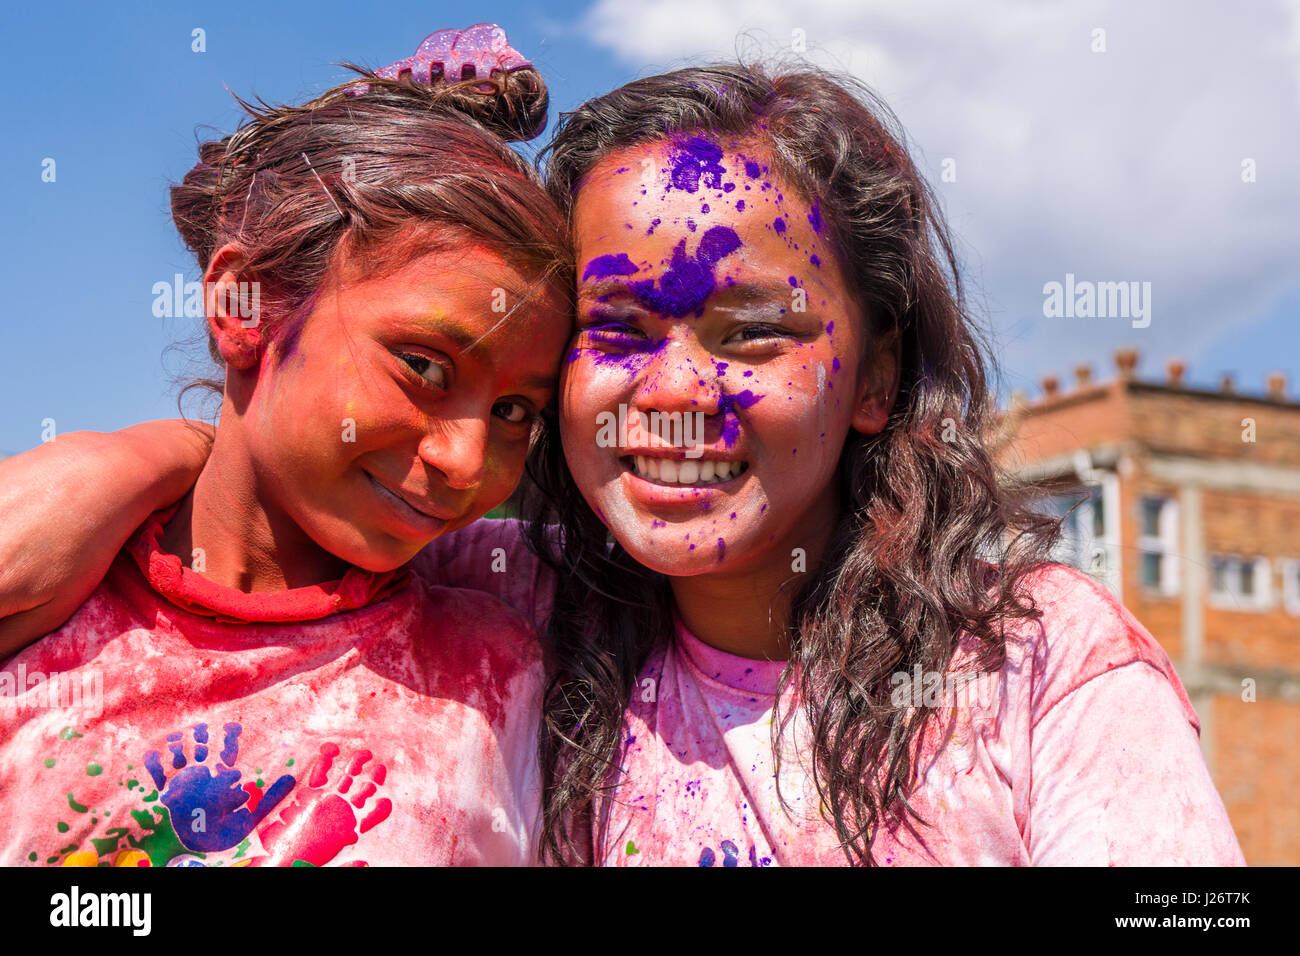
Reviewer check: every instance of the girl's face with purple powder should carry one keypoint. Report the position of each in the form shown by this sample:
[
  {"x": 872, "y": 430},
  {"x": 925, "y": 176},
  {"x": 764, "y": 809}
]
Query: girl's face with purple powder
[{"x": 718, "y": 364}]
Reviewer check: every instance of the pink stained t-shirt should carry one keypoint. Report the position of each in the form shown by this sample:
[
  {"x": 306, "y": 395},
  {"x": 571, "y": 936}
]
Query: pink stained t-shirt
[
  {"x": 377, "y": 721},
  {"x": 1081, "y": 750}
]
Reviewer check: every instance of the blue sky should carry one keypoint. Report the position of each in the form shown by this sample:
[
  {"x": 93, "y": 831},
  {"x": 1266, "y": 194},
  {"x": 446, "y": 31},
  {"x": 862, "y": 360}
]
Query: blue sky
[{"x": 1113, "y": 165}]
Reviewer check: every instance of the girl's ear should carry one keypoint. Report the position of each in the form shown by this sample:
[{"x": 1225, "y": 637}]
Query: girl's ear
[
  {"x": 233, "y": 308},
  {"x": 877, "y": 386}
]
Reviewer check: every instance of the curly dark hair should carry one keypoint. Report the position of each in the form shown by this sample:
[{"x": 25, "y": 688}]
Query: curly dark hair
[{"x": 933, "y": 540}]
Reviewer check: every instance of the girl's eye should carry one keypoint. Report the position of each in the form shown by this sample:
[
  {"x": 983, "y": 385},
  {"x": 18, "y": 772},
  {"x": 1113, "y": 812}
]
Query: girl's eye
[
  {"x": 516, "y": 413},
  {"x": 612, "y": 333},
  {"x": 757, "y": 333},
  {"x": 425, "y": 367}
]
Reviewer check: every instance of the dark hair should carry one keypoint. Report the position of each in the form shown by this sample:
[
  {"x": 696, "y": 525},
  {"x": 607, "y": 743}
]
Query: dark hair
[
  {"x": 932, "y": 539},
  {"x": 392, "y": 171}
]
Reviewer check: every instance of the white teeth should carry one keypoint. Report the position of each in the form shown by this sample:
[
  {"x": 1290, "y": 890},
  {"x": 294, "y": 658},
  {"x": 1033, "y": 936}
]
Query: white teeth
[{"x": 687, "y": 472}]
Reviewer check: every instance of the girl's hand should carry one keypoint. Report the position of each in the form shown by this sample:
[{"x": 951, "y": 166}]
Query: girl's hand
[{"x": 68, "y": 507}]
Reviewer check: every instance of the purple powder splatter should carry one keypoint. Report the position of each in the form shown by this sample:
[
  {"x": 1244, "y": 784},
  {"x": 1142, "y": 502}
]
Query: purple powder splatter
[
  {"x": 604, "y": 266},
  {"x": 704, "y": 209},
  {"x": 815, "y": 261},
  {"x": 727, "y": 405},
  {"x": 835, "y": 364},
  {"x": 749, "y": 373},
  {"x": 779, "y": 225},
  {"x": 830, "y": 328},
  {"x": 752, "y": 170},
  {"x": 695, "y": 159},
  {"x": 728, "y": 187},
  {"x": 721, "y": 367},
  {"x": 815, "y": 216},
  {"x": 653, "y": 222},
  {"x": 793, "y": 282},
  {"x": 690, "y": 224},
  {"x": 689, "y": 281},
  {"x": 722, "y": 549}
]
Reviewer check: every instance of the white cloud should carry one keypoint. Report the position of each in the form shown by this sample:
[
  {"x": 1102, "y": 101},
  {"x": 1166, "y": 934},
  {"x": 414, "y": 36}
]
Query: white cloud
[{"x": 1122, "y": 165}]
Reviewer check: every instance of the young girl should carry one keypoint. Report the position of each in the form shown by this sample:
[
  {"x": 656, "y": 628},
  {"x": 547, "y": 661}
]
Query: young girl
[
  {"x": 763, "y": 663},
  {"x": 258, "y": 678}
]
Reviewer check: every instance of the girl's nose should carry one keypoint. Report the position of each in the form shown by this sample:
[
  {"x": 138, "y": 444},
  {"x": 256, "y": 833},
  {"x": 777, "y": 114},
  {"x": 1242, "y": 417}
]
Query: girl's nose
[
  {"x": 681, "y": 378},
  {"x": 457, "y": 448}
]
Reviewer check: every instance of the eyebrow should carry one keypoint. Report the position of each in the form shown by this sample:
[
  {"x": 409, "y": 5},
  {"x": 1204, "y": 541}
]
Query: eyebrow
[{"x": 742, "y": 291}]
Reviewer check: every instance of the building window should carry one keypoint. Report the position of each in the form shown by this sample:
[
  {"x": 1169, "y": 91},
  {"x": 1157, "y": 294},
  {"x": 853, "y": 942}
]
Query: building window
[
  {"x": 1291, "y": 585},
  {"x": 1240, "y": 583},
  {"x": 1158, "y": 544},
  {"x": 1089, "y": 530}
]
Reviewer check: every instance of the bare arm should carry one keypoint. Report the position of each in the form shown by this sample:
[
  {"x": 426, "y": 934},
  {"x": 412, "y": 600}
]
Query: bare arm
[{"x": 68, "y": 507}]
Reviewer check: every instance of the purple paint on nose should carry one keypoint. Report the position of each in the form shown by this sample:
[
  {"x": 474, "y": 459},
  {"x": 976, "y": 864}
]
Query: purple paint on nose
[
  {"x": 721, "y": 367},
  {"x": 696, "y": 159},
  {"x": 613, "y": 265},
  {"x": 779, "y": 225},
  {"x": 727, "y": 405}
]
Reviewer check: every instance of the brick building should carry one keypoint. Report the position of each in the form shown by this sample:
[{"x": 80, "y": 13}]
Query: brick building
[{"x": 1185, "y": 502}]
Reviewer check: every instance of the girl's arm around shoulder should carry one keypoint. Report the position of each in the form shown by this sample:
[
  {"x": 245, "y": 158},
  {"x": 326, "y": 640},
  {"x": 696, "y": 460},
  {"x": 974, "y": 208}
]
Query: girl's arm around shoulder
[
  {"x": 68, "y": 507},
  {"x": 1117, "y": 775}
]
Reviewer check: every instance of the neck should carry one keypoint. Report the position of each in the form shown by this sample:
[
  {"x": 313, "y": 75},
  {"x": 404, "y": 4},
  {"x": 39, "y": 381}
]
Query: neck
[
  {"x": 746, "y": 611},
  {"x": 226, "y": 530}
]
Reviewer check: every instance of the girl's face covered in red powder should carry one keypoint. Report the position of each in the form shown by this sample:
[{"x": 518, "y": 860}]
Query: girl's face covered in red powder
[
  {"x": 708, "y": 288},
  {"x": 404, "y": 407}
]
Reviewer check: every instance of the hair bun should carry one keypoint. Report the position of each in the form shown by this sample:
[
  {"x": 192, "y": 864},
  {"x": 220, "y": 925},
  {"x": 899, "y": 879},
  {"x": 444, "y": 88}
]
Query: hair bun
[{"x": 479, "y": 73}]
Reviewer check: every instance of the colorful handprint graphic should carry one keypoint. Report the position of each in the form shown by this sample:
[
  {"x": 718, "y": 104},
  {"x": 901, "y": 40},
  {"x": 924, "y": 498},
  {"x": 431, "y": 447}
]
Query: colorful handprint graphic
[
  {"x": 207, "y": 803},
  {"x": 322, "y": 820}
]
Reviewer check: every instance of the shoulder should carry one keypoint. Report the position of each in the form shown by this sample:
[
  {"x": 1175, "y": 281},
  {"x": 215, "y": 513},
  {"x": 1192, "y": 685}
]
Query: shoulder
[
  {"x": 1082, "y": 632},
  {"x": 469, "y": 618},
  {"x": 492, "y": 556}
]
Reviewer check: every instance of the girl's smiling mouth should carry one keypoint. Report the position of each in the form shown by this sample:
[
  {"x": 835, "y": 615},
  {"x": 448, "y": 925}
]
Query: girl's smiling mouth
[
  {"x": 420, "y": 517},
  {"x": 684, "y": 471}
]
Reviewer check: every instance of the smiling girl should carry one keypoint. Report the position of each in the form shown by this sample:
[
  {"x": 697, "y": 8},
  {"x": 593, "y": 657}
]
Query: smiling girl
[
  {"x": 261, "y": 679},
  {"x": 757, "y": 654},
  {"x": 744, "y": 674}
]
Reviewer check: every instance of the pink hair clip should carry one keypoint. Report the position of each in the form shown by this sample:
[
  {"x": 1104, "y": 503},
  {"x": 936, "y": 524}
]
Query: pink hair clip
[{"x": 456, "y": 55}]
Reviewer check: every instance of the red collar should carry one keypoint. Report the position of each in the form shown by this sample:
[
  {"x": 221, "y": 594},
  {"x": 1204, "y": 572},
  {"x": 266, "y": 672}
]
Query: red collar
[{"x": 193, "y": 592}]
